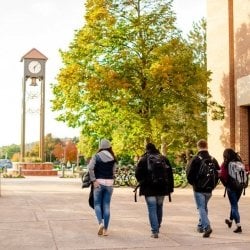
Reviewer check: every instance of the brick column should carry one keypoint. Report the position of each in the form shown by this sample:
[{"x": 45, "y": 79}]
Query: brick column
[{"x": 244, "y": 134}]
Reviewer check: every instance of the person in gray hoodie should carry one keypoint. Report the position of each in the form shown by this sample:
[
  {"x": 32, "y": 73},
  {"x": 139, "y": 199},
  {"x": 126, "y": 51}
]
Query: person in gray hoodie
[{"x": 102, "y": 170}]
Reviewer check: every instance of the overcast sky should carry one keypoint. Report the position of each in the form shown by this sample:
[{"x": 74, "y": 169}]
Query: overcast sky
[{"x": 47, "y": 25}]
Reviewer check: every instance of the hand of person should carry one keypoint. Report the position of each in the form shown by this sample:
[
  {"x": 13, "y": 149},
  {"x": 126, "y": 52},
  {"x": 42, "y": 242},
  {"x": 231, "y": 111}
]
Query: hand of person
[{"x": 96, "y": 184}]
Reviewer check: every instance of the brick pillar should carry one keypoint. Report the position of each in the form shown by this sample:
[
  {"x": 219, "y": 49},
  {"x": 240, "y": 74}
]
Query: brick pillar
[{"x": 244, "y": 134}]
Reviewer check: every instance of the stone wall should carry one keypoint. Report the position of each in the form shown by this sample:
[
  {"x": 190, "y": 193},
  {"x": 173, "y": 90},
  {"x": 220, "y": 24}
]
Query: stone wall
[{"x": 36, "y": 169}]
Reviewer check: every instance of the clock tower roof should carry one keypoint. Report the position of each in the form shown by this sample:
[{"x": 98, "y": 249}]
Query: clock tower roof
[{"x": 34, "y": 54}]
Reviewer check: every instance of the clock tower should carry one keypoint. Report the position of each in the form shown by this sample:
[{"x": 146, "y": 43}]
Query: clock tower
[{"x": 34, "y": 72}]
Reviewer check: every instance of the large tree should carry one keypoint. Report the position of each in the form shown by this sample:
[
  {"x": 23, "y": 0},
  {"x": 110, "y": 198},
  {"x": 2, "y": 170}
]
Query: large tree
[{"x": 131, "y": 77}]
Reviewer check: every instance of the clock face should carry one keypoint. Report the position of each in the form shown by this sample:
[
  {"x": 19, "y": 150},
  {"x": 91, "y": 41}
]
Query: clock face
[{"x": 35, "y": 67}]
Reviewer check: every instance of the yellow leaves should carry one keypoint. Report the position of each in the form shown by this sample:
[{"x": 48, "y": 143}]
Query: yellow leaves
[
  {"x": 93, "y": 84},
  {"x": 161, "y": 68},
  {"x": 114, "y": 80},
  {"x": 124, "y": 71},
  {"x": 98, "y": 12},
  {"x": 70, "y": 72},
  {"x": 68, "y": 88},
  {"x": 106, "y": 78}
]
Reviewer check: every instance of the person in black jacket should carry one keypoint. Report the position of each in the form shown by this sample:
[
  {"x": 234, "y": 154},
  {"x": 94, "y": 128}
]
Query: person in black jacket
[
  {"x": 154, "y": 192},
  {"x": 201, "y": 194}
]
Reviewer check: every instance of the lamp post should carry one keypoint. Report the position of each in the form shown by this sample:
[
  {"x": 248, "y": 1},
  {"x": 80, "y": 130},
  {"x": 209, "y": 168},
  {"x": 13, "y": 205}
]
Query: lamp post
[
  {"x": 64, "y": 158},
  {"x": 64, "y": 154}
]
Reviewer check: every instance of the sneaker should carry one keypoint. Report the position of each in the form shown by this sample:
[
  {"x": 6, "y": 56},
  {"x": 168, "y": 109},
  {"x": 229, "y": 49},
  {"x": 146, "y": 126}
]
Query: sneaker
[
  {"x": 228, "y": 222},
  {"x": 207, "y": 232},
  {"x": 100, "y": 230},
  {"x": 105, "y": 232},
  {"x": 155, "y": 235},
  {"x": 238, "y": 230}
]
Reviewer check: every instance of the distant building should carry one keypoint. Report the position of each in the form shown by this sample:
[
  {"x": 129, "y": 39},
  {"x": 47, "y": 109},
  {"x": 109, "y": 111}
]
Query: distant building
[{"x": 228, "y": 54}]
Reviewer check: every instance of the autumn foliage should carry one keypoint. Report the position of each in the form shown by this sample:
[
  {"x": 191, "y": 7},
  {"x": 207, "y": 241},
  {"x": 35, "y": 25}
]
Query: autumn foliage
[
  {"x": 65, "y": 152},
  {"x": 130, "y": 76}
]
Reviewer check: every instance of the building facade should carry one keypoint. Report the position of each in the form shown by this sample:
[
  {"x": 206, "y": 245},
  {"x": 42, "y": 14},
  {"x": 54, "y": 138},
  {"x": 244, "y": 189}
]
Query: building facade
[{"x": 228, "y": 55}]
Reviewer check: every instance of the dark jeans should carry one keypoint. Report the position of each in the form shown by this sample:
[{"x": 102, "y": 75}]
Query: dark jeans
[{"x": 234, "y": 197}]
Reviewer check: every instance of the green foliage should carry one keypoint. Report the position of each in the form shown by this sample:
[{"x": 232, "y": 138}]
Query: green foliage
[
  {"x": 49, "y": 144},
  {"x": 9, "y": 151},
  {"x": 129, "y": 76},
  {"x": 125, "y": 160},
  {"x": 32, "y": 159},
  {"x": 197, "y": 40}
]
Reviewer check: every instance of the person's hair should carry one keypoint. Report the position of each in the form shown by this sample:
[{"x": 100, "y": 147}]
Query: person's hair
[
  {"x": 110, "y": 151},
  {"x": 202, "y": 144},
  {"x": 230, "y": 155},
  {"x": 150, "y": 148}
]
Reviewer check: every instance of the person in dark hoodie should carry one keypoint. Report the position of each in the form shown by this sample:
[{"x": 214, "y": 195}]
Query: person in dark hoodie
[
  {"x": 201, "y": 194},
  {"x": 102, "y": 170},
  {"x": 154, "y": 192}
]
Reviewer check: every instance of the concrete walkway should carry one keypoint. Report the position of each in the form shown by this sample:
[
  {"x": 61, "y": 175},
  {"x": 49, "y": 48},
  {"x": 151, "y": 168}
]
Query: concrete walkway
[{"x": 53, "y": 213}]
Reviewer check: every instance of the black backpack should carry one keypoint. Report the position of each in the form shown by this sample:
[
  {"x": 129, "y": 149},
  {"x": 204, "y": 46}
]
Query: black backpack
[
  {"x": 158, "y": 173},
  {"x": 207, "y": 177},
  {"x": 157, "y": 169},
  {"x": 86, "y": 182}
]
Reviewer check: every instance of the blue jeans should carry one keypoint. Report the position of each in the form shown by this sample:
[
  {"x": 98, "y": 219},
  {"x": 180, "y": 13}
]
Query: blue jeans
[
  {"x": 155, "y": 211},
  {"x": 201, "y": 200},
  {"x": 234, "y": 197},
  {"x": 102, "y": 198}
]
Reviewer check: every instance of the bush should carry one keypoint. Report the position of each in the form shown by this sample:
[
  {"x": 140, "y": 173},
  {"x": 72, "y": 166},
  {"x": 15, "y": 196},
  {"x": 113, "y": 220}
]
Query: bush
[
  {"x": 125, "y": 160},
  {"x": 13, "y": 175}
]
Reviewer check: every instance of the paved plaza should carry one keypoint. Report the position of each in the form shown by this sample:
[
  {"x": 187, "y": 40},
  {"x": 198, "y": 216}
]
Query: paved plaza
[{"x": 39, "y": 213}]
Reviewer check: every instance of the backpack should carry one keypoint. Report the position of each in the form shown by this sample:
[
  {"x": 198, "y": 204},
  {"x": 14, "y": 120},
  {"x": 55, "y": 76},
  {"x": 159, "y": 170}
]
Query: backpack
[
  {"x": 157, "y": 169},
  {"x": 237, "y": 175},
  {"x": 86, "y": 182},
  {"x": 208, "y": 176},
  {"x": 158, "y": 173}
]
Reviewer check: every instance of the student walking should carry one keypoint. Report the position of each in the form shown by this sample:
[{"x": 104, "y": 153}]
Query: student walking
[
  {"x": 154, "y": 173},
  {"x": 233, "y": 193},
  {"x": 202, "y": 174},
  {"x": 101, "y": 170}
]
